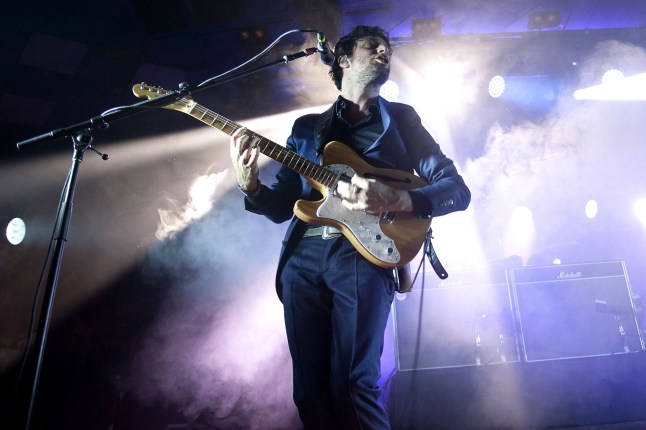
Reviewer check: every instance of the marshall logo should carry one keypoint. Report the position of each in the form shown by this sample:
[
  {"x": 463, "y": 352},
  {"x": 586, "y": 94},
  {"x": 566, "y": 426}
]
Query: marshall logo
[{"x": 569, "y": 275}]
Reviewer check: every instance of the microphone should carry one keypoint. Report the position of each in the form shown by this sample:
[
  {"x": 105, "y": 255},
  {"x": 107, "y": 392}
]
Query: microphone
[{"x": 327, "y": 56}]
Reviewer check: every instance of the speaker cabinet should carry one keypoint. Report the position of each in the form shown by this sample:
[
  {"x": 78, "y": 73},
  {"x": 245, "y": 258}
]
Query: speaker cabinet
[
  {"x": 464, "y": 320},
  {"x": 576, "y": 310}
]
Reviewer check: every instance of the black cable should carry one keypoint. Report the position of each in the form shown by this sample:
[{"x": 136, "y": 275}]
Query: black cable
[
  {"x": 257, "y": 56},
  {"x": 418, "y": 335}
]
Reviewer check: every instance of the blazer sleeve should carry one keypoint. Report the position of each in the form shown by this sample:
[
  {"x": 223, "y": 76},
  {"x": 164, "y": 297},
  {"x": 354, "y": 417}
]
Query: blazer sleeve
[
  {"x": 277, "y": 201},
  {"x": 446, "y": 191}
]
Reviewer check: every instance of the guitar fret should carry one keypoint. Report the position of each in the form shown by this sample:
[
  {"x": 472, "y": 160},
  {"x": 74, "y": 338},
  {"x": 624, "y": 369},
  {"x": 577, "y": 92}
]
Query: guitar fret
[
  {"x": 300, "y": 169},
  {"x": 291, "y": 159},
  {"x": 311, "y": 167},
  {"x": 223, "y": 124},
  {"x": 269, "y": 144}
]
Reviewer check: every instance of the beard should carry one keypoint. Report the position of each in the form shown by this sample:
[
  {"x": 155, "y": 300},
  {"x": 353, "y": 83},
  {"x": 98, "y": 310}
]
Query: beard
[{"x": 377, "y": 73}]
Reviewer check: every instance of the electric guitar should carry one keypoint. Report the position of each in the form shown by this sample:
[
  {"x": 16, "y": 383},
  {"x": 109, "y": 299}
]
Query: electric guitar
[{"x": 388, "y": 239}]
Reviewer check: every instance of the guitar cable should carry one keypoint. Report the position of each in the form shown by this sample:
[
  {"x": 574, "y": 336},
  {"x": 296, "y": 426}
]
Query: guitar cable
[{"x": 413, "y": 380}]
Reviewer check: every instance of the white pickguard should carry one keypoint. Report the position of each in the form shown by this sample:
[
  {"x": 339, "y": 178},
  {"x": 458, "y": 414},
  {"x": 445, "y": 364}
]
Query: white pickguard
[{"x": 364, "y": 226}]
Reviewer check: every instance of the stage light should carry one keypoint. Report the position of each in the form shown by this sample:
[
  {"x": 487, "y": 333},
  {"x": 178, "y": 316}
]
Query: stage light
[
  {"x": 496, "y": 86},
  {"x": 533, "y": 92},
  {"x": 426, "y": 28},
  {"x": 544, "y": 19},
  {"x": 252, "y": 36},
  {"x": 390, "y": 91},
  {"x": 591, "y": 209},
  {"x": 15, "y": 230}
]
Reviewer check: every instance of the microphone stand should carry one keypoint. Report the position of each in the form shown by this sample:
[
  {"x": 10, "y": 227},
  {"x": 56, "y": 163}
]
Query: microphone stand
[{"x": 81, "y": 135}]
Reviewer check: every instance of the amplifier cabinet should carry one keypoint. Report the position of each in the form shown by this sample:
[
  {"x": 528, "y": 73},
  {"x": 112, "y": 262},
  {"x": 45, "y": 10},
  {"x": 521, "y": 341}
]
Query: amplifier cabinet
[
  {"x": 575, "y": 310},
  {"x": 464, "y": 320}
]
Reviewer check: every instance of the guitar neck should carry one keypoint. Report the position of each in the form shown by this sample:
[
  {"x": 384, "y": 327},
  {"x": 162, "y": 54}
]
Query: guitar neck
[{"x": 305, "y": 167}]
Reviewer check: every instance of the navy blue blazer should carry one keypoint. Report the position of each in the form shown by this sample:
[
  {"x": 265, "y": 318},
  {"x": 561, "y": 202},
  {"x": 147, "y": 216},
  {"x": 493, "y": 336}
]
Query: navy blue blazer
[{"x": 405, "y": 145}]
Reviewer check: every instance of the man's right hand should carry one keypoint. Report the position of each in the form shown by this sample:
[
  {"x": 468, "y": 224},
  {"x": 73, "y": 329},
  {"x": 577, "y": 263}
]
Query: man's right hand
[{"x": 244, "y": 155}]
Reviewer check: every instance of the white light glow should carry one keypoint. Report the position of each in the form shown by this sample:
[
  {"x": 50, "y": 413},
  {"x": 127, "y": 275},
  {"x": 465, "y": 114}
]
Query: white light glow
[
  {"x": 521, "y": 233},
  {"x": 496, "y": 86},
  {"x": 640, "y": 211},
  {"x": 612, "y": 77},
  {"x": 591, "y": 209},
  {"x": 445, "y": 84},
  {"x": 615, "y": 87},
  {"x": 390, "y": 91},
  {"x": 16, "y": 230}
]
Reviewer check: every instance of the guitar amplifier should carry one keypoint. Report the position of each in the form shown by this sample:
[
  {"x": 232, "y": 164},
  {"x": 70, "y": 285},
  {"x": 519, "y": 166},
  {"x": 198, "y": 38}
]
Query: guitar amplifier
[
  {"x": 464, "y": 320},
  {"x": 576, "y": 310}
]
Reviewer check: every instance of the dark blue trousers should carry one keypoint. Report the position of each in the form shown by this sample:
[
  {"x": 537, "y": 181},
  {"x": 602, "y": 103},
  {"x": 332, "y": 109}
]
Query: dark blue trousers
[{"x": 336, "y": 307}]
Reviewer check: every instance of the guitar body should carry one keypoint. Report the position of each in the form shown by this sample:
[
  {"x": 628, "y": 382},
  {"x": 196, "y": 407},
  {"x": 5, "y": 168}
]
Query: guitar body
[{"x": 387, "y": 240}]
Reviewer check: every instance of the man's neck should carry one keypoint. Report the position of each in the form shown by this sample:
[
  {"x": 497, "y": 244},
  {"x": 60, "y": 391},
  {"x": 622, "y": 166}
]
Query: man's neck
[{"x": 358, "y": 103}]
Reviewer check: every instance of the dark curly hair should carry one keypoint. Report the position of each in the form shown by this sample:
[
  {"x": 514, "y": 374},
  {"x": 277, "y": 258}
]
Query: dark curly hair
[{"x": 347, "y": 44}]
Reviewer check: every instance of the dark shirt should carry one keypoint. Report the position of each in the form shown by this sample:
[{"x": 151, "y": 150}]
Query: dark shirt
[{"x": 362, "y": 134}]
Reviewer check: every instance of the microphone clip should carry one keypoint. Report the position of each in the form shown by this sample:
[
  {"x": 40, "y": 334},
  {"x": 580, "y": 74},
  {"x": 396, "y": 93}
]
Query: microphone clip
[{"x": 327, "y": 56}]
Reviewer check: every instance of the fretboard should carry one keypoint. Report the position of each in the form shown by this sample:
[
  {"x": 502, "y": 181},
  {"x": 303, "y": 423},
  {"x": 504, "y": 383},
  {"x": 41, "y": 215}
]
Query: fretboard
[{"x": 299, "y": 164}]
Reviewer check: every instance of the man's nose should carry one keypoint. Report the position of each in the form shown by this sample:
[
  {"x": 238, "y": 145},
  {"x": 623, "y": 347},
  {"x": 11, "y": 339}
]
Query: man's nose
[{"x": 382, "y": 49}]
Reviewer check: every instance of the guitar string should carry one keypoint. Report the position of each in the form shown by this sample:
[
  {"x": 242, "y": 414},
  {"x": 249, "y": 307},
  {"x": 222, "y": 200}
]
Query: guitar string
[
  {"x": 321, "y": 174},
  {"x": 328, "y": 177}
]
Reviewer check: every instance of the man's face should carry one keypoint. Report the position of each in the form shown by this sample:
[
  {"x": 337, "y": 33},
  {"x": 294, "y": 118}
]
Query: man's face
[{"x": 371, "y": 59}]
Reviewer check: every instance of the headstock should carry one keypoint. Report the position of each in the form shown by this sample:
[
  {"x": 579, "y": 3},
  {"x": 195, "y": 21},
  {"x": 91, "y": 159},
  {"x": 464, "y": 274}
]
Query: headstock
[{"x": 142, "y": 91}]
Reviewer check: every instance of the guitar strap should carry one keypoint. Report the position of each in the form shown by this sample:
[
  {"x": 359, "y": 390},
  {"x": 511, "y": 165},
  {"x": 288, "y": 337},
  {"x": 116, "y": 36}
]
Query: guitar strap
[{"x": 432, "y": 257}]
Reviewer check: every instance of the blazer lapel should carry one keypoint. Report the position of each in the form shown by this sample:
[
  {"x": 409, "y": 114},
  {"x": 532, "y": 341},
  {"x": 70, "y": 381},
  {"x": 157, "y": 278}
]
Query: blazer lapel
[{"x": 322, "y": 129}]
